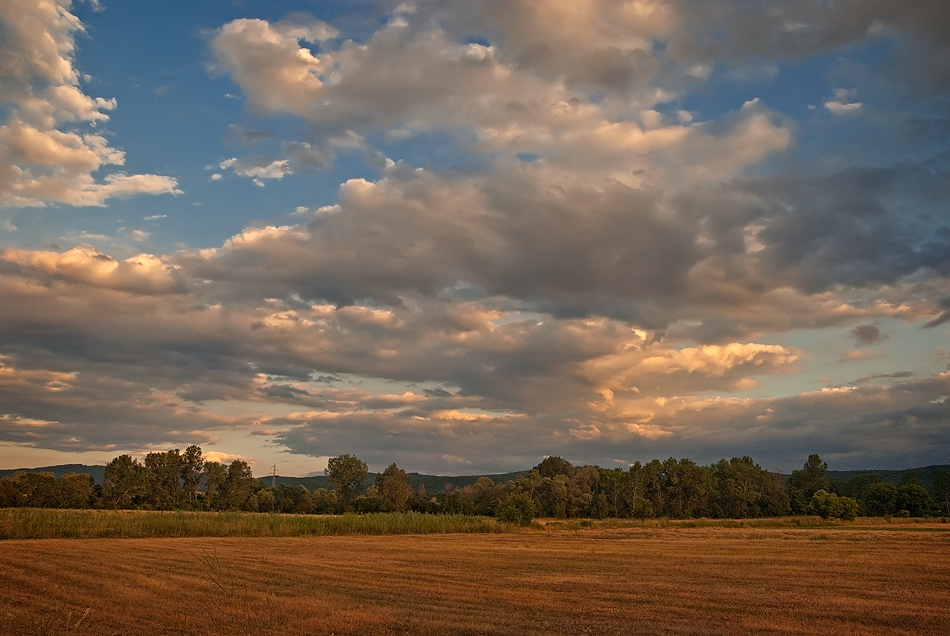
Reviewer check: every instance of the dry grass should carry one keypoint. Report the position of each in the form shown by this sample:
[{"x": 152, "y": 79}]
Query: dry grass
[{"x": 648, "y": 580}]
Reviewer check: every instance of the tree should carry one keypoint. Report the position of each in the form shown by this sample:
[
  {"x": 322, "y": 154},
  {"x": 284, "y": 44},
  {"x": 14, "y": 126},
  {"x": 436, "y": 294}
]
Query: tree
[
  {"x": 75, "y": 490},
  {"x": 239, "y": 487},
  {"x": 191, "y": 468},
  {"x": 552, "y": 496},
  {"x": 879, "y": 499},
  {"x": 215, "y": 476},
  {"x": 914, "y": 499},
  {"x": 393, "y": 489},
  {"x": 347, "y": 473},
  {"x": 744, "y": 489},
  {"x": 686, "y": 486},
  {"x": 124, "y": 483},
  {"x": 164, "y": 474},
  {"x": 942, "y": 489},
  {"x": 635, "y": 494},
  {"x": 554, "y": 465},
  {"x": 39, "y": 490},
  {"x": 804, "y": 483}
]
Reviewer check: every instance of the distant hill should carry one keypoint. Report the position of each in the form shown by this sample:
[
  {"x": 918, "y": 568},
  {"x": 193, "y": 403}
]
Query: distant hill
[
  {"x": 97, "y": 472},
  {"x": 924, "y": 476}
]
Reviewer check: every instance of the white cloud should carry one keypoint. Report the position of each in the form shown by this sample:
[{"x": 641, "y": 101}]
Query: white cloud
[
  {"x": 256, "y": 168},
  {"x": 840, "y": 104},
  {"x": 39, "y": 161}
]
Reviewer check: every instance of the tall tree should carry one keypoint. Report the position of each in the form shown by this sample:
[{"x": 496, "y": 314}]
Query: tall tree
[
  {"x": 554, "y": 465},
  {"x": 804, "y": 483},
  {"x": 192, "y": 465},
  {"x": 239, "y": 487},
  {"x": 942, "y": 489},
  {"x": 347, "y": 473},
  {"x": 394, "y": 489},
  {"x": 687, "y": 486},
  {"x": 75, "y": 490},
  {"x": 215, "y": 476},
  {"x": 125, "y": 481},
  {"x": 164, "y": 475}
]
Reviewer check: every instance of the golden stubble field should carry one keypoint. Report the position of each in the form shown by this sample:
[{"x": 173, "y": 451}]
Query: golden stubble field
[{"x": 626, "y": 581}]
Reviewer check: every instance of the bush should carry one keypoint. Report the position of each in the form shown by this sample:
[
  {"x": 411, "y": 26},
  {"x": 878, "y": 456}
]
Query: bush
[
  {"x": 830, "y": 506},
  {"x": 518, "y": 509}
]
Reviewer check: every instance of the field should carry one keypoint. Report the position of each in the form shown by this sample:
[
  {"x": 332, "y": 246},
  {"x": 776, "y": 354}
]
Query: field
[{"x": 647, "y": 579}]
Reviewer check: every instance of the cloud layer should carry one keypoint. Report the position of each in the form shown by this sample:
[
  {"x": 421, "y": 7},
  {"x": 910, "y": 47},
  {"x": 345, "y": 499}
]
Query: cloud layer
[{"x": 555, "y": 246}]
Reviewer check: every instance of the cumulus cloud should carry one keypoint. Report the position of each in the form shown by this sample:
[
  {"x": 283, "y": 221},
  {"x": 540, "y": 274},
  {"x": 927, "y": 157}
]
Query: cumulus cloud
[
  {"x": 143, "y": 274},
  {"x": 44, "y": 154}
]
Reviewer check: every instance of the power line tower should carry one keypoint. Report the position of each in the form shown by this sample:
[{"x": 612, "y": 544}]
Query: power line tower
[{"x": 273, "y": 477}]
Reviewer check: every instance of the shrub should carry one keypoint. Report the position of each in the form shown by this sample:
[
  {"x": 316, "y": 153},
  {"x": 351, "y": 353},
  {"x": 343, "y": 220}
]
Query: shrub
[
  {"x": 830, "y": 506},
  {"x": 518, "y": 509}
]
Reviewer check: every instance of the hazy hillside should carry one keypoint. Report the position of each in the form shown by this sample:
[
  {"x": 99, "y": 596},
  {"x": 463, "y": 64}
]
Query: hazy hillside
[
  {"x": 97, "y": 472},
  {"x": 924, "y": 476}
]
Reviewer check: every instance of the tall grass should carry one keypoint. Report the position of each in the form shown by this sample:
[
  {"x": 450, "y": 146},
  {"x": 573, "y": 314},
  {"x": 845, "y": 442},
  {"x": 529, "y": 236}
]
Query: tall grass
[
  {"x": 43, "y": 523},
  {"x": 40, "y": 523}
]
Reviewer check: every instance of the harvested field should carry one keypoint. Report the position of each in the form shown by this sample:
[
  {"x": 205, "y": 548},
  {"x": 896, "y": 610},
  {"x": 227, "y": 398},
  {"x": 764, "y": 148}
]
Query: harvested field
[{"x": 602, "y": 581}]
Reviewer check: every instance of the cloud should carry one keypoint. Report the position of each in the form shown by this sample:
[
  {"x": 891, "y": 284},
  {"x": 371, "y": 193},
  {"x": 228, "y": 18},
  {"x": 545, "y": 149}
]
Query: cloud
[
  {"x": 41, "y": 162},
  {"x": 867, "y": 335},
  {"x": 613, "y": 271},
  {"x": 840, "y": 104},
  {"x": 143, "y": 274}
]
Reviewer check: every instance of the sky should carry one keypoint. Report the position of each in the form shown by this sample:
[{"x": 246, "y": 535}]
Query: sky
[{"x": 464, "y": 235}]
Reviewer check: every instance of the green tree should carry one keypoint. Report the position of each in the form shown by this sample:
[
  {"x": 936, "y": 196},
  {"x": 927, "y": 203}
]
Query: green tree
[
  {"x": 9, "y": 494},
  {"x": 75, "y": 490},
  {"x": 215, "y": 475},
  {"x": 942, "y": 489},
  {"x": 485, "y": 493},
  {"x": 239, "y": 487},
  {"x": 38, "y": 490},
  {"x": 914, "y": 499},
  {"x": 804, "y": 483},
  {"x": 744, "y": 489},
  {"x": 164, "y": 475},
  {"x": 686, "y": 488},
  {"x": 393, "y": 489},
  {"x": 192, "y": 465},
  {"x": 554, "y": 465},
  {"x": 636, "y": 500},
  {"x": 347, "y": 473},
  {"x": 125, "y": 482},
  {"x": 879, "y": 499},
  {"x": 553, "y": 495}
]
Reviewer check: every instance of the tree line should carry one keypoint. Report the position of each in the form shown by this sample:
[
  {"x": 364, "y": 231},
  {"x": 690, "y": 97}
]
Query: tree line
[{"x": 737, "y": 488}]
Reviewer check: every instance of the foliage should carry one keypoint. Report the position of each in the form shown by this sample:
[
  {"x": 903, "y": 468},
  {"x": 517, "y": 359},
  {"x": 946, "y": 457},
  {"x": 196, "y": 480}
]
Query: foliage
[
  {"x": 941, "y": 481},
  {"x": 517, "y": 508},
  {"x": 914, "y": 499},
  {"x": 347, "y": 473},
  {"x": 736, "y": 488},
  {"x": 804, "y": 483},
  {"x": 828, "y": 505}
]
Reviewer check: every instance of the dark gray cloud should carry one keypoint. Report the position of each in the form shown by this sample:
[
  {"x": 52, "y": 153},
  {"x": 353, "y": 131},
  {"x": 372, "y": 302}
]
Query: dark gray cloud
[{"x": 867, "y": 335}]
